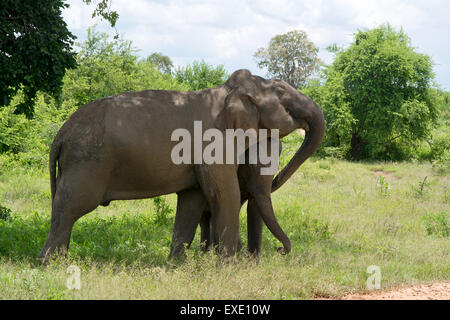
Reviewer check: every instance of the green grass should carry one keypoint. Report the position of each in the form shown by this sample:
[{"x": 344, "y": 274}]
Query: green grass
[{"x": 341, "y": 218}]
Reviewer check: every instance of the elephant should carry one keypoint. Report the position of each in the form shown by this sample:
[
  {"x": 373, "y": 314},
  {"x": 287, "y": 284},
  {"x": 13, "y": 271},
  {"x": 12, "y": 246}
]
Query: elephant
[
  {"x": 120, "y": 147},
  {"x": 192, "y": 209}
]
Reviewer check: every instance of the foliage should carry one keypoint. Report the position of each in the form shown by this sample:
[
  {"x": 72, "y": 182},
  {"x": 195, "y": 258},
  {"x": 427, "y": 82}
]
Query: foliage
[
  {"x": 161, "y": 62},
  {"x": 110, "y": 67},
  {"x": 383, "y": 187},
  {"x": 35, "y": 50},
  {"x": 308, "y": 229},
  {"x": 201, "y": 75},
  {"x": 27, "y": 142},
  {"x": 377, "y": 96},
  {"x": 104, "y": 68},
  {"x": 103, "y": 9},
  {"x": 5, "y": 213},
  {"x": 290, "y": 57},
  {"x": 437, "y": 224},
  {"x": 163, "y": 211},
  {"x": 420, "y": 189},
  {"x": 330, "y": 96},
  {"x": 11, "y": 130},
  {"x": 437, "y": 148}
]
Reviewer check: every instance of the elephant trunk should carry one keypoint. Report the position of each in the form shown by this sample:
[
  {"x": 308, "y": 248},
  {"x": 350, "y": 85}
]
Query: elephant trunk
[{"x": 311, "y": 143}]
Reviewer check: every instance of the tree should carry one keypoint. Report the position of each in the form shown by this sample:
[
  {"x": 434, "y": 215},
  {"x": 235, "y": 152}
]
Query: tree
[
  {"x": 161, "y": 62},
  {"x": 104, "y": 67},
  {"x": 201, "y": 75},
  {"x": 290, "y": 57},
  {"x": 107, "y": 67},
  {"x": 103, "y": 9},
  {"x": 379, "y": 87},
  {"x": 35, "y": 49},
  {"x": 329, "y": 93}
]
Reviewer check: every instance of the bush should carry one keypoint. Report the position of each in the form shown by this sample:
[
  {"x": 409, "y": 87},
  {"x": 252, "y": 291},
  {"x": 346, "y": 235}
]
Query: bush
[
  {"x": 163, "y": 211},
  {"x": 201, "y": 75},
  {"x": 12, "y": 127},
  {"x": 377, "y": 96},
  {"x": 5, "y": 213},
  {"x": 437, "y": 224},
  {"x": 104, "y": 68}
]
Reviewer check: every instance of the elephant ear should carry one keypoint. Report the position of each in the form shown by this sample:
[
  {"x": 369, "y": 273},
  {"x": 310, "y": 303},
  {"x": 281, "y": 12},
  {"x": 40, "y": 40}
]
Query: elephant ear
[{"x": 240, "y": 112}]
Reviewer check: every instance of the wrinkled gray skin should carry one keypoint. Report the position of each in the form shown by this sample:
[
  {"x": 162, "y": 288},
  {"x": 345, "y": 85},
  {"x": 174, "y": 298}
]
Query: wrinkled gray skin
[
  {"x": 119, "y": 148},
  {"x": 192, "y": 209}
]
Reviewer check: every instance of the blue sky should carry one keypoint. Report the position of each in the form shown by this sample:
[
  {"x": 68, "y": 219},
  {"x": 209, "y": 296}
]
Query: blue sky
[{"x": 229, "y": 32}]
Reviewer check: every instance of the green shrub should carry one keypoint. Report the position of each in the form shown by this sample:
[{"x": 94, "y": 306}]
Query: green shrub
[
  {"x": 5, "y": 213},
  {"x": 383, "y": 187},
  {"x": 12, "y": 127},
  {"x": 420, "y": 189},
  {"x": 163, "y": 211},
  {"x": 437, "y": 224},
  {"x": 308, "y": 229},
  {"x": 201, "y": 75},
  {"x": 108, "y": 67},
  {"x": 339, "y": 152}
]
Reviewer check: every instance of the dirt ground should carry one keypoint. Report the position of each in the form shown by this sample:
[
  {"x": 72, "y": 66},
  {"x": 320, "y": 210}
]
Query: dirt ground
[{"x": 434, "y": 291}]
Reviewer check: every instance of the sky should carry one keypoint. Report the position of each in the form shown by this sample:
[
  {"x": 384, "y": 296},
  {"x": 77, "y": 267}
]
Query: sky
[{"x": 229, "y": 32}]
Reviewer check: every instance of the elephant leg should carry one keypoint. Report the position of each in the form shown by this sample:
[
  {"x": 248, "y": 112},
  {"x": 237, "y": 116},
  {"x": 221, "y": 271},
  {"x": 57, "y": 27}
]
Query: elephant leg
[
  {"x": 221, "y": 189},
  {"x": 254, "y": 227},
  {"x": 264, "y": 207},
  {"x": 190, "y": 207},
  {"x": 206, "y": 238},
  {"x": 77, "y": 193}
]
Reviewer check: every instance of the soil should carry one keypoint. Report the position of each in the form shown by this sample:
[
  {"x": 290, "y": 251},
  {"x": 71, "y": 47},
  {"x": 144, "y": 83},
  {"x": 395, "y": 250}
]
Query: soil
[{"x": 433, "y": 291}]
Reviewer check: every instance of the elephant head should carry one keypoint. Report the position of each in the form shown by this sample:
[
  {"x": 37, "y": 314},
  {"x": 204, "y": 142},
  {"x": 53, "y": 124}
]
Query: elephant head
[{"x": 258, "y": 103}]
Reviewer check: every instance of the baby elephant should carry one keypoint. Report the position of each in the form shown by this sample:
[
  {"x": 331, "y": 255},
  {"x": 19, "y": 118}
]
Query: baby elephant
[{"x": 193, "y": 209}]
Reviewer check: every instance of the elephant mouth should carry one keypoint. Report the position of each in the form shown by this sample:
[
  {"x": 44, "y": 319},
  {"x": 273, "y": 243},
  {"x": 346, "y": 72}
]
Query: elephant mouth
[{"x": 302, "y": 124}]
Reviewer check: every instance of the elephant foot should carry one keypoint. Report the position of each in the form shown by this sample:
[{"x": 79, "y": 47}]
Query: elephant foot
[{"x": 48, "y": 254}]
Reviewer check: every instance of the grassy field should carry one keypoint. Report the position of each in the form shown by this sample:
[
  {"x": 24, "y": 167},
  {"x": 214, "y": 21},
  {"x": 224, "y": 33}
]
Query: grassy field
[{"x": 341, "y": 217}]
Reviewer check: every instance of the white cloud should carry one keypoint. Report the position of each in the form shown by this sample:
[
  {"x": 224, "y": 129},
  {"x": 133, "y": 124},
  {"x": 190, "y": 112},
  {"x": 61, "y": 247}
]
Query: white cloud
[{"x": 230, "y": 32}]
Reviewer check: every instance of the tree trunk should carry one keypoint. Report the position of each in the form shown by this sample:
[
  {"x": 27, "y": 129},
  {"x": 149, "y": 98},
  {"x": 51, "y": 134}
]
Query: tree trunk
[{"x": 357, "y": 147}]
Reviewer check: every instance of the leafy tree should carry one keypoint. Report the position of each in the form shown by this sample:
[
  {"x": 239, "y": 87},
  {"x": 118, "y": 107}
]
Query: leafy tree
[
  {"x": 438, "y": 140},
  {"x": 103, "y": 9},
  {"x": 107, "y": 67},
  {"x": 290, "y": 57},
  {"x": 201, "y": 75},
  {"x": 328, "y": 91},
  {"x": 11, "y": 130},
  {"x": 161, "y": 62},
  {"x": 35, "y": 50},
  {"x": 104, "y": 67},
  {"x": 379, "y": 87}
]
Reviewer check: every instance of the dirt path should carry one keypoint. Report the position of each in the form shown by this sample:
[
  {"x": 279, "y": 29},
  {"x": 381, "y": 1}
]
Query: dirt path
[{"x": 434, "y": 291}]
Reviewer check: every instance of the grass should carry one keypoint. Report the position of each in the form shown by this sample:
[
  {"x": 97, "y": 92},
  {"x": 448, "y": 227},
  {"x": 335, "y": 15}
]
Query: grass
[{"x": 341, "y": 218}]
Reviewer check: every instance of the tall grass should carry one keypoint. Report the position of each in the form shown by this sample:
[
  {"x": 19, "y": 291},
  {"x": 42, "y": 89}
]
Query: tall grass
[{"x": 338, "y": 215}]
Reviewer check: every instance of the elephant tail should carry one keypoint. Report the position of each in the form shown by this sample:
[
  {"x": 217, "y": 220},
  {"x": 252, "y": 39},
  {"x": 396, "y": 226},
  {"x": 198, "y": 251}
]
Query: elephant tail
[{"x": 55, "y": 151}]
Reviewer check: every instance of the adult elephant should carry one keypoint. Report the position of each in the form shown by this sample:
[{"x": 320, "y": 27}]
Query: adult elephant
[{"x": 119, "y": 148}]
